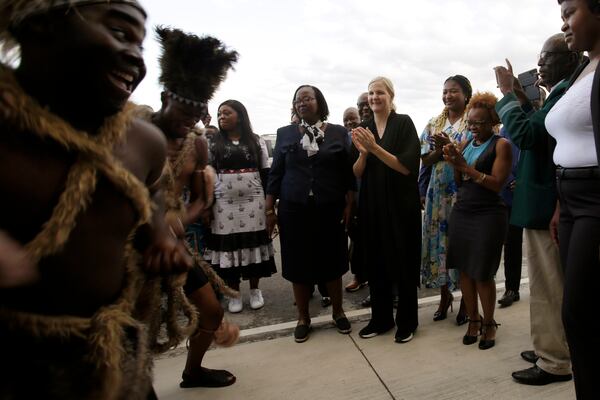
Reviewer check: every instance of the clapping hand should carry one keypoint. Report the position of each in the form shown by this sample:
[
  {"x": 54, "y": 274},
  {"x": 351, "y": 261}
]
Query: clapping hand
[
  {"x": 439, "y": 140},
  {"x": 364, "y": 140},
  {"x": 452, "y": 155}
]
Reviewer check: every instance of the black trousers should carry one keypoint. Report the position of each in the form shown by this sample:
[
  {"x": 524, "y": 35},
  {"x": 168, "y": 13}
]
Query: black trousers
[
  {"x": 579, "y": 238},
  {"x": 357, "y": 264},
  {"x": 513, "y": 256},
  {"x": 381, "y": 287}
]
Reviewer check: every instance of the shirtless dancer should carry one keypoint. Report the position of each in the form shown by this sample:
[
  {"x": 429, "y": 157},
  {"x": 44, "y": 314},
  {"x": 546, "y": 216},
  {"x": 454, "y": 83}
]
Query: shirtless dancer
[
  {"x": 191, "y": 70},
  {"x": 78, "y": 178}
]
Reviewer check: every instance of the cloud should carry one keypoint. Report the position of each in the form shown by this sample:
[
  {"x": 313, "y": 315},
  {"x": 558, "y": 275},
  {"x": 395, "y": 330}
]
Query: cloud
[{"x": 339, "y": 46}]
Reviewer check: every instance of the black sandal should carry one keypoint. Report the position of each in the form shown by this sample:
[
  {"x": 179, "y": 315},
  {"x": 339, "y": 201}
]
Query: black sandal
[
  {"x": 470, "y": 339},
  {"x": 212, "y": 378},
  {"x": 461, "y": 316},
  {"x": 485, "y": 344}
]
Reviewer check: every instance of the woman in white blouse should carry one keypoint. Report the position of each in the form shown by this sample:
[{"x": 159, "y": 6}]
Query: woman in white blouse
[{"x": 575, "y": 124}]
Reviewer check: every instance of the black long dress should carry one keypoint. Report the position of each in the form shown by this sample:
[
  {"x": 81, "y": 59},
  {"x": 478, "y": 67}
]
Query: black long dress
[{"x": 390, "y": 225}]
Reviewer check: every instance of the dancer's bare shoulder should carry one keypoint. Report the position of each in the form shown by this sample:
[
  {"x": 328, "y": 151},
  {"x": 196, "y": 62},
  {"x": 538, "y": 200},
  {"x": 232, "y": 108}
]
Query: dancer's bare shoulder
[{"x": 144, "y": 151}]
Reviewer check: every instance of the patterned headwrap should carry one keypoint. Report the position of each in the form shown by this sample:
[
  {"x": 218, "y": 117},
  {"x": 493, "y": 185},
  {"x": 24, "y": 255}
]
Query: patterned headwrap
[{"x": 13, "y": 12}]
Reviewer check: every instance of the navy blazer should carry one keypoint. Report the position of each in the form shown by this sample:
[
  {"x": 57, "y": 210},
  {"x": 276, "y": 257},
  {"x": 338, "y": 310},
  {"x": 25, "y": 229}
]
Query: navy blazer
[{"x": 328, "y": 173}]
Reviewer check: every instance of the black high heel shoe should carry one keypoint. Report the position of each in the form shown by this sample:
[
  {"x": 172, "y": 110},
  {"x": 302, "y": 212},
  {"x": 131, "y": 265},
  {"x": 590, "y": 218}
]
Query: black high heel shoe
[
  {"x": 485, "y": 344},
  {"x": 461, "y": 317},
  {"x": 471, "y": 339},
  {"x": 442, "y": 312}
]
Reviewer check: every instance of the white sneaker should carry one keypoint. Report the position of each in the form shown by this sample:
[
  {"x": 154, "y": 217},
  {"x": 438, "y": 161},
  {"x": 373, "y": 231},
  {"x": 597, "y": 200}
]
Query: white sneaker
[
  {"x": 235, "y": 305},
  {"x": 256, "y": 299}
]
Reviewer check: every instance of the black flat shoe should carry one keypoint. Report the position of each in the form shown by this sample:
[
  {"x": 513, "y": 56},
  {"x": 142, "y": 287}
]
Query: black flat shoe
[
  {"x": 484, "y": 343},
  {"x": 470, "y": 339},
  {"x": 538, "y": 377},
  {"x": 207, "y": 378},
  {"x": 529, "y": 356},
  {"x": 343, "y": 325},
  {"x": 403, "y": 338},
  {"x": 371, "y": 330},
  {"x": 301, "y": 333}
]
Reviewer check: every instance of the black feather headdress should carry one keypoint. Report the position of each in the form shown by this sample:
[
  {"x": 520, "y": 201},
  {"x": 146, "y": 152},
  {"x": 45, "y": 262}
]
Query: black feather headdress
[{"x": 192, "y": 67}]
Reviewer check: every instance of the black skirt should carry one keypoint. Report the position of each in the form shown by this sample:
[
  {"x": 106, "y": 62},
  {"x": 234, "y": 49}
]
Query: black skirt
[
  {"x": 477, "y": 230},
  {"x": 314, "y": 245}
]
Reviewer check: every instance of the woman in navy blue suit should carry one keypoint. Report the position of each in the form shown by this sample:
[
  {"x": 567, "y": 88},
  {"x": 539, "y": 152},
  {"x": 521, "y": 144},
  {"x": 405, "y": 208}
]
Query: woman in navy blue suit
[{"x": 311, "y": 175}]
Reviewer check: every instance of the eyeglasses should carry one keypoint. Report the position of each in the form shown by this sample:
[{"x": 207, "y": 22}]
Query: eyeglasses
[
  {"x": 303, "y": 100},
  {"x": 545, "y": 55},
  {"x": 477, "y": 123}
]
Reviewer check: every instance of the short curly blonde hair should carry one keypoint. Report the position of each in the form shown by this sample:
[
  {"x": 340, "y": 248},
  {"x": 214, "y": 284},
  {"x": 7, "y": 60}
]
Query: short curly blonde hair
[{"x": 485, "y": 100}]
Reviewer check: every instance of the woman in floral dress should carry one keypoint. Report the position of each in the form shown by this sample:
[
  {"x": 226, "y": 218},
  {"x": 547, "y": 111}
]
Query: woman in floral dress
[{"x": 449, "y": 126}]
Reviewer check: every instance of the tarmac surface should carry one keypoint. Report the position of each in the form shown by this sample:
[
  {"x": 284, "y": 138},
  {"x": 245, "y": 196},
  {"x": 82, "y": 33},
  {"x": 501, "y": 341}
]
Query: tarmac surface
[
  {"x": 434, "y": 365},
  {"x": 268, "y": 363}
]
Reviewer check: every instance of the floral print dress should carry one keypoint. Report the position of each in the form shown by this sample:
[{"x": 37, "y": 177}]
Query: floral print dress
[{"x": 441, "y": 195}]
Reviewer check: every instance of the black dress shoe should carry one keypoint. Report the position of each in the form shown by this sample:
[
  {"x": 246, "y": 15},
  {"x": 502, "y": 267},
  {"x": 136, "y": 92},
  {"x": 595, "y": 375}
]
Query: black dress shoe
[
  {"x": 537, "y": 376},
  {"x": 529, "y": 356},
  {"x": 509, "y": 297}
]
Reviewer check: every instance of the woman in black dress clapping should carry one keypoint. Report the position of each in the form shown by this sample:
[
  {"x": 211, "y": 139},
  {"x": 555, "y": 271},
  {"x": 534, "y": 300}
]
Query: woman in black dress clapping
[{"x": 387, "y": 162}]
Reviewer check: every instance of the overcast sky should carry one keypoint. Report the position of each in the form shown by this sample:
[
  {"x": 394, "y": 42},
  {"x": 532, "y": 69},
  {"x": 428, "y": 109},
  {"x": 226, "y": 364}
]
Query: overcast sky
[{"x": 339, "y": 46}]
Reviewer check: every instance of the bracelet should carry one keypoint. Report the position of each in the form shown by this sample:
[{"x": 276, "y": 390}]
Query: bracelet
[
  {"x": 269, "y": 212},
  {"x": 481, "y": 178}
]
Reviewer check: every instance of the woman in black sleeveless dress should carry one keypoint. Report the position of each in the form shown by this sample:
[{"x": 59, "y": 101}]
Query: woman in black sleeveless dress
[{"x": 479, "y": 219}]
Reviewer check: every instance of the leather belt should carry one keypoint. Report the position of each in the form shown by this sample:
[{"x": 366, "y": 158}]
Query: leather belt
[{"x": 578, "y": 173}]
